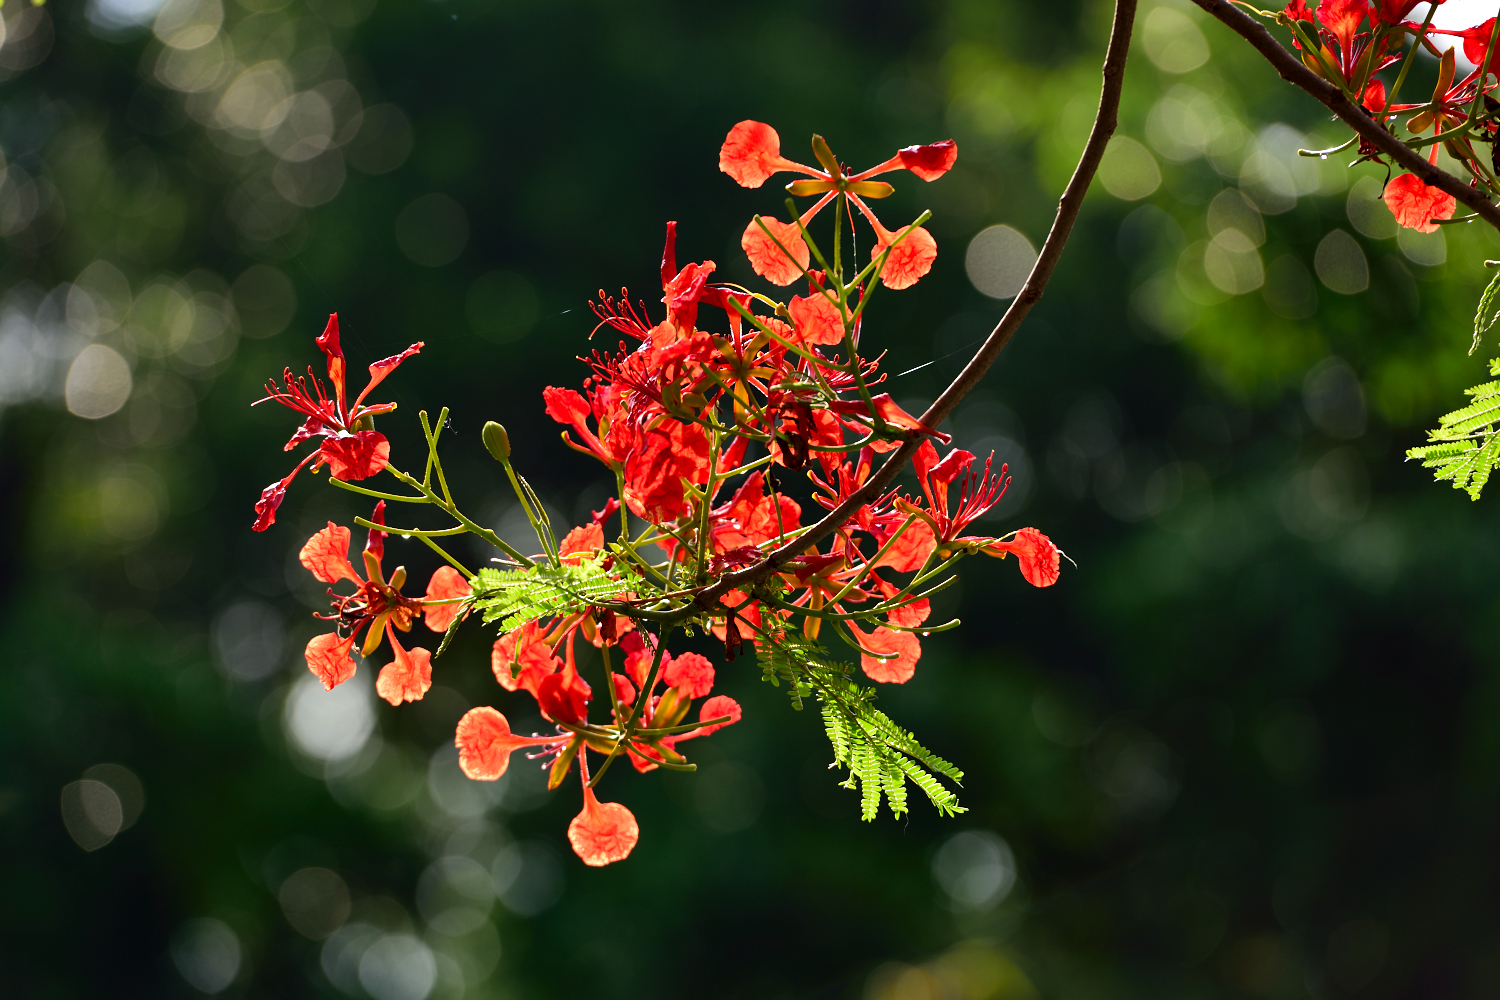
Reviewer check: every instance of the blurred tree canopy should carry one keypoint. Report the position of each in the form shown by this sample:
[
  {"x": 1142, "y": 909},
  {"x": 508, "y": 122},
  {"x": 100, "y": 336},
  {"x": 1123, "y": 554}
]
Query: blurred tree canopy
[{"x": 1244, "y": 749}]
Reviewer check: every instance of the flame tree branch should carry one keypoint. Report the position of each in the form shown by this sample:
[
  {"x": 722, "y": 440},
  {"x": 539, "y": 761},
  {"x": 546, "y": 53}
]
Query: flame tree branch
[
  {"x": 1105, "y": 121},
  {"x": 1293, "y": 71}
]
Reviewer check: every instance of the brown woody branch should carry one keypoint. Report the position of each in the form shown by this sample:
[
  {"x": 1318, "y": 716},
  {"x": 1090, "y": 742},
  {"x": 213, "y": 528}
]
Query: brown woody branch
[
  {"x": 1062, "y": 226},
  {"x": 1293, "y": 71}
]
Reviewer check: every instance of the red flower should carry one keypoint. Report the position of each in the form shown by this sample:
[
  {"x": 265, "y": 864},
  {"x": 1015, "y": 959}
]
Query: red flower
[
  {"x": 1041, "y": 561},
  {"x": 752, "y": 153},
  {"x": 379, "y": 605},
  {"x": 603, "y": 832},
  {"x": 350, "y": 447},
  {"x": 1344, "y": 45},
  {"x": 670, "y": 453},
  {"x": 977, "y": 494},
  {"x": 1415, "y": 203},
  {"x": 485, "y": 743}
]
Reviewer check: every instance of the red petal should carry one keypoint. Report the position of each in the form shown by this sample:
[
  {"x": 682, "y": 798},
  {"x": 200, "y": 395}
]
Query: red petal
[
  {"x": 894, "y": 415},
  {"x": 771, "y": 261},
  {"x": 311, "y": 428},
  {"x": 690, "y": 672},
  {"x": 485, "y": 743},
  {"x": 669, "y": 255},
  {"x": 380, "y": 369},
  {"x": 1040, "y": 559},
  {"x": 603, "y": 832},
  {"x": 751, "y": 153},
  {"x": 954, "y": 465},
  {"x": 326, "y": 555},
  {"x": 565, "y": 405},
  {"x": 655, "y": 468},
  {"x": 581, "y": 542},
  {"x": 912, "y": 549},
  {"x": 640, "y": 650},
  {"x": 910, "y": 615},
  {"x": 271, "y": 497},
  {"x": 375, "y": 540},
  {"x": 931, "y": 161},
  {"x": 357, "y": 456},
  {"x": 909, "y": 260},
  {"x": 1476, "y": 40},
  {"x": 1415, "y": 203},
  {"x": 716, "y": 708},
  {"x": 904, "y": 648},
  {"x": 817, "y": 319},
  {"x": 446, "y": 584},
  {"x": 564, "y": 696},
  {"x": 329, "y": 660},
  {"x": 328, "y": 343},
  {"x": 1374, "y": 96},
  {"x": 408, "y": 678},
  {"x": 270, "y": 500}
]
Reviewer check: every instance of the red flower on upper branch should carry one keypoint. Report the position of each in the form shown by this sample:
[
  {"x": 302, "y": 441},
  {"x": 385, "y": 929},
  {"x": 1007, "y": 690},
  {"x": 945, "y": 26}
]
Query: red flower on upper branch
[
  {"x": 751, "y": 154},
  {"x": 350, "y": 447}
]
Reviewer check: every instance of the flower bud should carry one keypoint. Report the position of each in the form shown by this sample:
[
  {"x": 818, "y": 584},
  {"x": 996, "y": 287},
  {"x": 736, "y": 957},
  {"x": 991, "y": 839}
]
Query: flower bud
[{"x": 497, "y": 441}]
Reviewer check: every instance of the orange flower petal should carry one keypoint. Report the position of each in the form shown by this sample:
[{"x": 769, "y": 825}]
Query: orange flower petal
[
  {"x": 909, "y": 260},
  {"x": 580, "y": 542},
  {"x": 912, "y": 549},
  {"x": 524, "y": 645},
  {"x": 690, "y": 673},
  {"x": 771, "y": 261},
  {"x": 910, "y": 615},
  {"x": 406, "y": 679},
  {"x": 603, "y": 832},
  {"x": 817, "y": 319},
  {"x": 566, "y": 406},
  {"x": 446, "y": 584},
  {"x": 716, "y": 708},
  {"x": 751, "y": 153},
  {"x": 326, "y": 555},
  {"x": 358, "y": 456},
  {"x": 904, "y": 648},
  {"x": 1040, "y": 559},
  {"x": 931, "y": 161},
  {"x": 328, "y": 658},
  {"x": 1415, "y": 204},
  {"x": 485, "y": 743}
]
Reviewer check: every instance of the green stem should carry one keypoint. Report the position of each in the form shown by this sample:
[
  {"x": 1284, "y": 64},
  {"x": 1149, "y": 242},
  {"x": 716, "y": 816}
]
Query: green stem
[
  {"x": 344, "y": 485},
  {"x": 640, "y": 706},
  {"x": 1411, "y": 56},
  {"x": 874, "y": 562}
]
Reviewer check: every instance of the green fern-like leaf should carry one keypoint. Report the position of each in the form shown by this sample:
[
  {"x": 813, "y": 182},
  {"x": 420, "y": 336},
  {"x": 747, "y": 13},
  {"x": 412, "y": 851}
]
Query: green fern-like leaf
[
  {"x": 878, "y": 754},
  {"x": 1487, "y": 313},
  {"x": 514, "y": 597},
  {"x": 1465, "y": 447}
]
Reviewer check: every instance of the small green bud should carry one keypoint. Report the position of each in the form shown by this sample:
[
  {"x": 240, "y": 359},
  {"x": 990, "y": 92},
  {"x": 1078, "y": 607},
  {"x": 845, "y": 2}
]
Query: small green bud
[{"x": 497, "y": 441}]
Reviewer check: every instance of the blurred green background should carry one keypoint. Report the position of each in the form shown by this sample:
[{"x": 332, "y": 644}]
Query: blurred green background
[{"x": 1246, "y": 748}]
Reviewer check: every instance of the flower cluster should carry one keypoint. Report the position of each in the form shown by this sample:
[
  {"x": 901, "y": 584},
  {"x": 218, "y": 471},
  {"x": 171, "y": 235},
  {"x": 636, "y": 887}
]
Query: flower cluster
[
  {"x": 351, "y": 447},
  {"x": 1349, "y": 41},
  {"x": 709, "y": 420}
]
